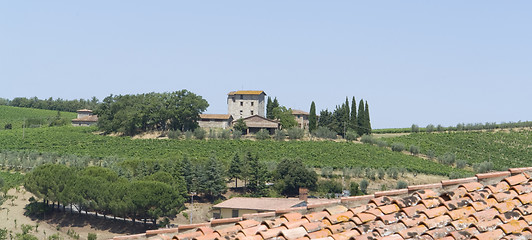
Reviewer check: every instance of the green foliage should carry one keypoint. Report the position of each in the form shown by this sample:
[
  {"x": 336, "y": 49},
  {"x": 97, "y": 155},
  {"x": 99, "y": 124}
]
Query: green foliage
[
  {"x": 199, "y": 133},
  {"x": 414, "y": 128},
  {"x": 240, "y": 126},
  {"x": 279, "y": 135},
  {"x": 398, "y": 147},
  {"x": 382, "y": 144},
  {"x": 461, "y": 164},
  {"x": 212, "y": 134},
  {"x": 225, "y": 134},
  {"x": 10, "y": 180},
  {"x": 414, "y": 150},
  {"x": 131, "y": 114},
  {"x": 401, "y": 184},
  {"x": 431, "y": 154},
  {"x": 483, "y": 167},
  {"x": 429, "y": 128},
  {"x": 290, "y": 175},
  {"x": 327, "y": 172},
  {"x": 91, "y": 236},
  {"x": 257, "y": 175},
  {"x": 79, "y": 146},
  {"x": 447, "y": 158},
  {"x": 237, "y": 135},
  {"x": 54, "y": 236},
  {"x": 54, "y": 104},
  {"x": 323, "y": 132},
  {"x": 503, "y": 149},
  {"x": 364, "y": 186},
  {"x": 3, "y": 234},
  {"x": 351, "y": 135},
  {"x": 329, "y": 186},
  {"x": 295, "y": 133},
  {"x": 262, "y": 134},
  {"x": 236, "y": 169},
  {"x": 285, "y": 117},
  {"x": 354, "y": 189},
  {"x": 174, "y": 134},
  {"x": 367, "y": 139},
  {"x": 14, "y": 117},
  {"x": 312, "y": 118},
  {"x": 270, "y": 105}
]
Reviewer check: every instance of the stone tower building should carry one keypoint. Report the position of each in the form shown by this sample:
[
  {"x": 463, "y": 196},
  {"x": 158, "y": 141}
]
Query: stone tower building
[{"x": 243, "y": 104}]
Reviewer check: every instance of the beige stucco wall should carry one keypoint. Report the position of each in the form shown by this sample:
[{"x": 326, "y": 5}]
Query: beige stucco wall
[
  {"x": 302, "y": 121},
  {"x": 227, "y": 212},
  {"x": 214, "y": 124},
  {"x": 234, "y": 108}
]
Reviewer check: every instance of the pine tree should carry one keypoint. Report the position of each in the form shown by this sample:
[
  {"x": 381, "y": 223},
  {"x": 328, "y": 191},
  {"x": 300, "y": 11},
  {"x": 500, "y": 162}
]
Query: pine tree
[
  {"x": 361, "y": 118},
  {"x": 235, "y": 170},
  {"x": 353, "y": 117},
  {"x": 257, "y": 176},
  {"x": 367, "y": 120},
  {"x": 214, "y": 178},
  {"x": 312, "y": 118}
]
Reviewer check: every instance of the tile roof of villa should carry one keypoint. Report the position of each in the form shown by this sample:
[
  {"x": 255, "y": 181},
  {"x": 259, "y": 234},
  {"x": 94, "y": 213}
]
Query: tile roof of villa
[
  {"x": 487, "y": 206},
  {"x": 246, "y": 92}
]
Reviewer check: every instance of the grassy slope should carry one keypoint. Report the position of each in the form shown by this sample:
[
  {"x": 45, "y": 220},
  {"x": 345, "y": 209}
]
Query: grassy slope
[
  {"x": 16, "y": 115},
  {"x": 80, "y": 141},
  {"x": 504, "y": 149}
]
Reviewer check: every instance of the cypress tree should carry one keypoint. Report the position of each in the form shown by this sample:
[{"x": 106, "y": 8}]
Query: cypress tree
[
  {"x": 353, "y": 117},
  {"x": 360, "y": 118},
  {"x": 367, "y": 121},
  {"x": 269, "y": 108},
  {"x": 312, "y": 118}
]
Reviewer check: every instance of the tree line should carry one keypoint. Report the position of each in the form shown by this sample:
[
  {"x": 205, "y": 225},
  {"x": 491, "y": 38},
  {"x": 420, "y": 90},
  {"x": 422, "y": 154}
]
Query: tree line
[
  {"x": 57, "y": 104},
  {"x": 345, "y": 120},
  {"x": 131, "y": 114}
]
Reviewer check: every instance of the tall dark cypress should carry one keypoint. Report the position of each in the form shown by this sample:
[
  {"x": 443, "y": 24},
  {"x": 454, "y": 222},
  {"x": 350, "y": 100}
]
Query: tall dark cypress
[
  {"x": 353, "y": 118},
  {"x": 269, "y": 108},
  {"x": 360, "y": 118},
  {"x": 367, "y": 121},
  {"x": 312, "y": 118}
]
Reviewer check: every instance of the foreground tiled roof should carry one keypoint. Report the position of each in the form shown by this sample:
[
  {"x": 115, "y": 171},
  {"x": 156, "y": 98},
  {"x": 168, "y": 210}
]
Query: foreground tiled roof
[{"x": 487, "y": 206}]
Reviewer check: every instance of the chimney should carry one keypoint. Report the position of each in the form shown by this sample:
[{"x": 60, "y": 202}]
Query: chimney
[{"x": 303, "y": 194}]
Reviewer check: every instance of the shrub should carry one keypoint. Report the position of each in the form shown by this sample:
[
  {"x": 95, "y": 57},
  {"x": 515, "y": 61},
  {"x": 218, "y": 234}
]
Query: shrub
[
  {"x": 461, "y": 164},
  {"x": 351, "y": 135},
  {"x": 199, "y": 133},
  {"x": 354, "y": 189},
  {"x": 402, "y": 184},
  {"x": 91, "y": 236},
  {"x": 439, "y": 128},
  {"x": 414, "y": 128},
  {"x": 212, "y": 134},
  {"x": 174, "y": 134},
  {"x": 455, "y": 175},
  {"x": 393, "y": 173},
  {"x": 323, "y": 132},
  {"x": 381, "y": 143},
  {"x": 329, "y": 186},
  {"x": 327, "y": 172},
  {"x": 189, "y": 134},
  {"x": 295, "y": 133},
  {"x": 447, "y": 159},
  {"x": 431, "y": 154},
  {"x": 364, "y": 186},
  {"x": 367, "y": 139},
  {"x": 483, "y": 167},
  {"x": 429, "y": 128},
  {"x": 237, "y": 134},
  {"x": 225, "y": 134},
  {"x": 398, "y": 147},
  {"x": 381, "y": 173},
  {"x": 279, "y": 135},
  {"x": 370, "y": 173},
  {"x": 414, "y": 149},
  {"x": 262, "y": 135},
  {"x": 8, "y": 126}
]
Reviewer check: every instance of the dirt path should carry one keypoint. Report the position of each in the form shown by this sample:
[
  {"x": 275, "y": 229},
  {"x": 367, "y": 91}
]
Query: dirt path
[{"x": 12, "y": 217}]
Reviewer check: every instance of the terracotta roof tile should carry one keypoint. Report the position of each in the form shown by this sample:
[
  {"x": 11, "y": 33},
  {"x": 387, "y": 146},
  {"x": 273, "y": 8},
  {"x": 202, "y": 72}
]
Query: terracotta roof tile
[
  {"x": 516, "y": 179},
  {"x": 498, "y": 207},
  {"x": 491, "y": 235}
]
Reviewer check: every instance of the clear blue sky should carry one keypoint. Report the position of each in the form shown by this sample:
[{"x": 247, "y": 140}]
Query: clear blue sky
[{"x": 440, "y": 62}]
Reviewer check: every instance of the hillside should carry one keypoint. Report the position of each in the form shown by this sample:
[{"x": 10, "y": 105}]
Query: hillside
[
  {"x": 34, "y": 117},
  {"x": 82, "y": 142},
  {"x": 503, "y": 148}
]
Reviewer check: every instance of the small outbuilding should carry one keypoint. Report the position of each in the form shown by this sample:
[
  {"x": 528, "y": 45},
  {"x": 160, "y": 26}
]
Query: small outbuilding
[
  {"x": 301, "y": 118},
  {"x": 222, "y": 121},
  {"x": 255, "y": 123},
  {"x": 85, "y": 118}
]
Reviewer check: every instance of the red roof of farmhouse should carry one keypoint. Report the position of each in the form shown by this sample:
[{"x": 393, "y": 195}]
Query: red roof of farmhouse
[{"x": 488, "y": 206}]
